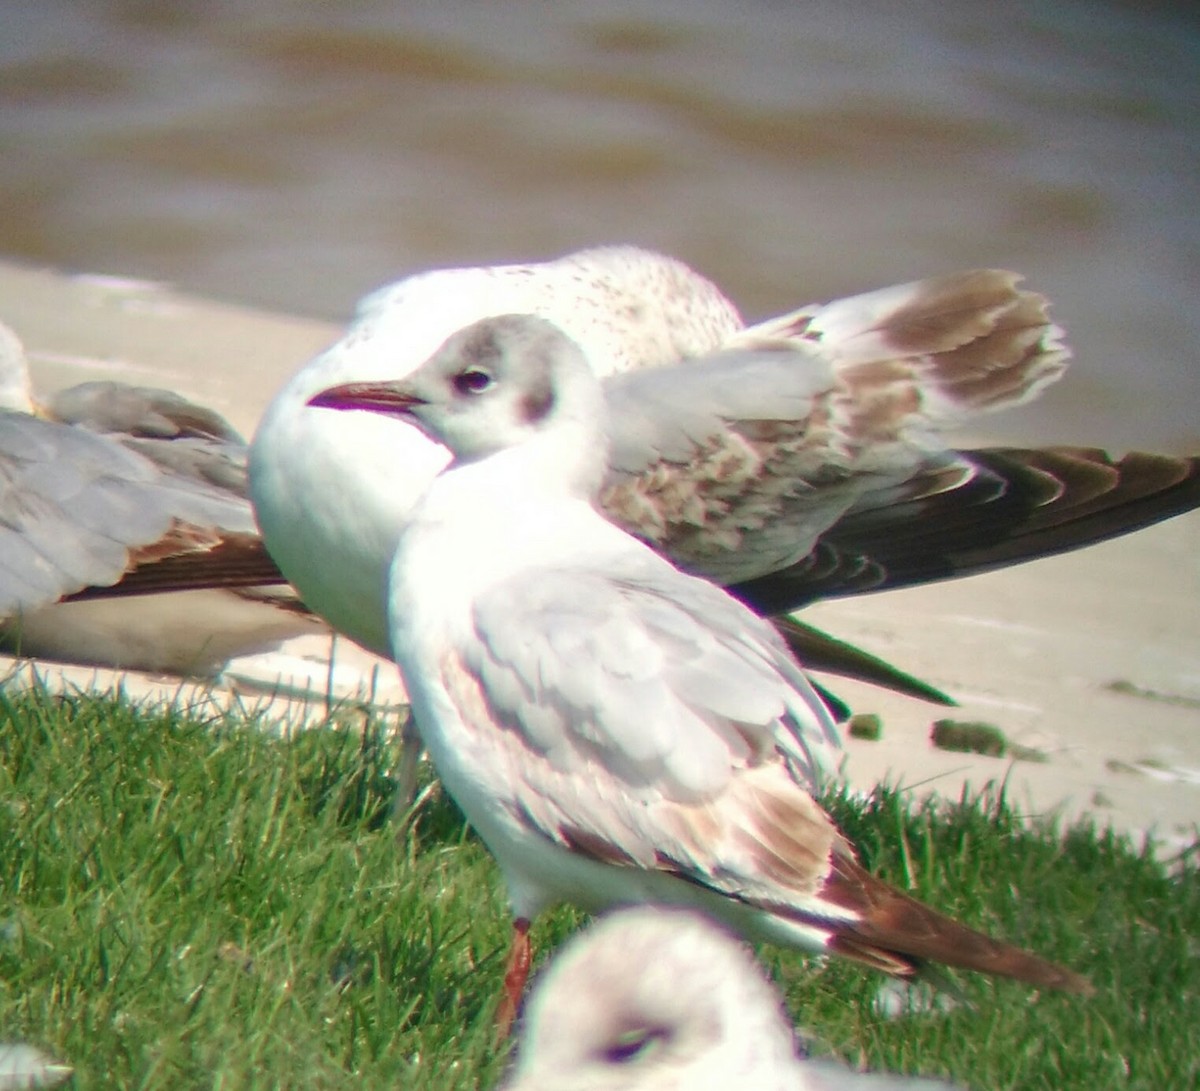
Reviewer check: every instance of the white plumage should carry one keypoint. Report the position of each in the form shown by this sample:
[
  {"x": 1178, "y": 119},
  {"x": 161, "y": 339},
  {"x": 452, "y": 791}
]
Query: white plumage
[
  {"x": 731, "y": 465},
  {"x": 615, "y": 730},
  {"x": 655, "y": 1000}
]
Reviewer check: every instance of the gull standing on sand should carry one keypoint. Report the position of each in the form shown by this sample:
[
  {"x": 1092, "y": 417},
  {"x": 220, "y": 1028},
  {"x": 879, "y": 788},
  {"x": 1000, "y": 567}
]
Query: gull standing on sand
[
  {"x": 662, "y": 1000},
  {"x": 794, "y": 459},
  {"x": 615, "y": 730},
  {"x": 110, "y": 496}
]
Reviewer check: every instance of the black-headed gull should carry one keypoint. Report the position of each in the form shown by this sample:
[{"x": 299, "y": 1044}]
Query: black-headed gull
[
  {"x": 614, "y": 729},
  {"x": 794, "y": 459},
  {"x": 650, "y": 999},
  {"x": 108, "y": 492}
]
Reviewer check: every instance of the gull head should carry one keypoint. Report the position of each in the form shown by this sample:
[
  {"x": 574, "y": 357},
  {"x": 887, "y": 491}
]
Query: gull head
[
  {"x": 650, "y": 999},
  {"x": 494, "y": 385}
]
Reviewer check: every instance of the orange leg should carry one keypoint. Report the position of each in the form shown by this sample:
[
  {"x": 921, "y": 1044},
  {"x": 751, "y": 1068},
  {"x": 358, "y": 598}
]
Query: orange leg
[{"x": 520, "y": 957}]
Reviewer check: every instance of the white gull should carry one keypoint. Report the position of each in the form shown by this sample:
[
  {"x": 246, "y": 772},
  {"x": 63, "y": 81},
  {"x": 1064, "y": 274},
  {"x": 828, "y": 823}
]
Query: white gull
[
  {"x": 110, "y": 497},
  {"x": 614, "y": 729},
  {"x": 649, "y": 999},
  {"x": 795, "y": 459}
]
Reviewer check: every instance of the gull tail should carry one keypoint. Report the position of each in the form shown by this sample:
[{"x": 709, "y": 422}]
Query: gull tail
[{"x": 898, "y": 934}]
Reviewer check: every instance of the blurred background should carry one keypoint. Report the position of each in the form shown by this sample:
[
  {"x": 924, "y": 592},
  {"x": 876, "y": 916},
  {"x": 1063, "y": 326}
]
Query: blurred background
[{"x": 295, "y": 156}]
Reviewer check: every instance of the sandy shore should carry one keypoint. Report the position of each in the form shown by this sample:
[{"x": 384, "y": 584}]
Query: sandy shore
[{"x": 1092, "y": 659}]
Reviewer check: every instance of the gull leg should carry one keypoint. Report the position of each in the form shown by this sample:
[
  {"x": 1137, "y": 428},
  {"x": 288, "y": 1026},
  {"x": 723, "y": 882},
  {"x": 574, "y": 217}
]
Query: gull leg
[
  {"x": 409, "y": 766},
  {"x": 520, "y": 957}
]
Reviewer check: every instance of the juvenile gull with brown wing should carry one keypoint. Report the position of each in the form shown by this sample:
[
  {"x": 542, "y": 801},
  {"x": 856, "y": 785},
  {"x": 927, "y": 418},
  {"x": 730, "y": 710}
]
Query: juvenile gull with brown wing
[
  {"x": 794, "y": 459},
  {"x": 615, "y": 730}
]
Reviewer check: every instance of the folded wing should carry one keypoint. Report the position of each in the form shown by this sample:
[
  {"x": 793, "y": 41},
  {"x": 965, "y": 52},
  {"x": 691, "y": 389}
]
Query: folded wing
[{"x": 80, "y": 510}]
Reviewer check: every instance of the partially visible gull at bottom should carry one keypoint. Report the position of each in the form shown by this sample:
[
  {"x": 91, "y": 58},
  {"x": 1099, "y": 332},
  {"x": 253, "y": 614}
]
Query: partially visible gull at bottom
[
  {"x": 126, "y": 536},
  {"x": 614, "y": 729},
  {"x": 662, "y": 1000},
  {"x": 24, "y": 1068}
]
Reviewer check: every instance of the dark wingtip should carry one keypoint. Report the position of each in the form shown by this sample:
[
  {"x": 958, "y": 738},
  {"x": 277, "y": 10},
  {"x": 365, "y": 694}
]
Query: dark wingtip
[
  {"x": 899, "y": 933},
  {"x": 817, "y": 650}
]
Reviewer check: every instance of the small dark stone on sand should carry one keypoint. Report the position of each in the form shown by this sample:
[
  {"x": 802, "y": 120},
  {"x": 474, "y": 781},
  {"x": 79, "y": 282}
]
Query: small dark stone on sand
[
  {"x": 865, "y": 725},
  {"x": 970, "y": 737}
]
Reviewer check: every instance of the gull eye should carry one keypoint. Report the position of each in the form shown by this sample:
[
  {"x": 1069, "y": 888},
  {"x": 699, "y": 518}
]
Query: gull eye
[
  {"x": 633, "y": 1045},
  {"x": 473, "y": 380}
]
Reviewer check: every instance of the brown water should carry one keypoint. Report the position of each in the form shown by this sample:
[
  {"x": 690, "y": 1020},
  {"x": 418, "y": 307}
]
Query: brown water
[{"x": 296, "y": 156}]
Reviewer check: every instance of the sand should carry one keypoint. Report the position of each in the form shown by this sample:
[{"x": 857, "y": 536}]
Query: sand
[{"x": 1090, "y": 659}]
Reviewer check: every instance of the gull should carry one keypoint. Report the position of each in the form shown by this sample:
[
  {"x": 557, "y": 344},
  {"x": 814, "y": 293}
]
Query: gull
[
  {"x": 614, "y": 729},
  {"x": 24, "y": 1067},
  {"x": 111, "y": 496},
  {"x": 791, "y": 460},
  {"x": 648, "y": 999}
]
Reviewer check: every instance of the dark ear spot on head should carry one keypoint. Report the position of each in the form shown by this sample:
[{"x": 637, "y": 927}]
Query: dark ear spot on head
[
  {"x": 538, "y": 400},
  {"x": 537, "y": 403}
]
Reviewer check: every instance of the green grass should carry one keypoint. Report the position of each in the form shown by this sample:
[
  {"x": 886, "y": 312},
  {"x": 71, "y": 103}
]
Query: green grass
[{"x": 199, "y": 904}]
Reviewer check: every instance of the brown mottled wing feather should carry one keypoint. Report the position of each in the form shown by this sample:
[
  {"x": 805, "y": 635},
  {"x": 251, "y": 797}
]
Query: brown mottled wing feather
[
  {"x": 975, "y": 339},
  {"x": 735, "y": 464}
]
